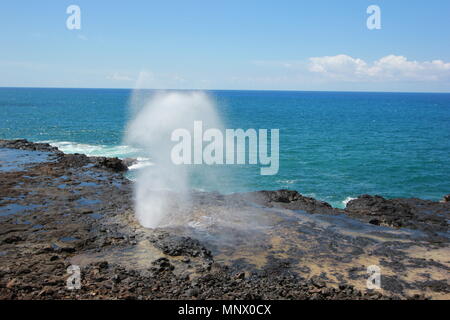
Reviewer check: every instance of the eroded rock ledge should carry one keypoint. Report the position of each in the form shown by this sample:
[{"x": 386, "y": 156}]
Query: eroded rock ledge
[
  {"x": 424, "y": 215},
  {"x": 76, "y": 210},
  {"x": 68, "y": 160}
]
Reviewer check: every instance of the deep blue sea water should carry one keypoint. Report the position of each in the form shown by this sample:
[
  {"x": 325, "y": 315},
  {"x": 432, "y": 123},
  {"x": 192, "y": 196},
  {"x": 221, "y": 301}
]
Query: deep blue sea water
[{"x": 333, "y": 146}]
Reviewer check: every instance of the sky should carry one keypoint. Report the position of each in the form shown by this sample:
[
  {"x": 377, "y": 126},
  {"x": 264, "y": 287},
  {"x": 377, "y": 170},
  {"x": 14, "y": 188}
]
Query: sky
[{"x": 226, "y": 44}]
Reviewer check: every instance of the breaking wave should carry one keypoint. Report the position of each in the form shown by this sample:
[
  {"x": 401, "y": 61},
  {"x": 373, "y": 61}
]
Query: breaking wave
[{"x": 119, "y": 151}]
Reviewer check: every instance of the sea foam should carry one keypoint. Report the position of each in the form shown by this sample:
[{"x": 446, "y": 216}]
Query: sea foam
[{"x": 98, "y": 150}]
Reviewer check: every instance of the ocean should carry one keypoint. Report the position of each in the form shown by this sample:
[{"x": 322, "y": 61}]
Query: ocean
[{"x": 334, "y": 146}]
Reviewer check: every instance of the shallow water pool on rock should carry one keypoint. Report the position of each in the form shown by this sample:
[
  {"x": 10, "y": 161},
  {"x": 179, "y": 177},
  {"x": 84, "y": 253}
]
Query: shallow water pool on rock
[
  {"x": 17, "y": 160},
  {"x": 14, "y": 208}
]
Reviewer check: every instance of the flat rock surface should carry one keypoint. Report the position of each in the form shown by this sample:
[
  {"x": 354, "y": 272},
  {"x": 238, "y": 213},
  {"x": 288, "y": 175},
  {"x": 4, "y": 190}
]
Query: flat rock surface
[{"x": 60, "y": 210}]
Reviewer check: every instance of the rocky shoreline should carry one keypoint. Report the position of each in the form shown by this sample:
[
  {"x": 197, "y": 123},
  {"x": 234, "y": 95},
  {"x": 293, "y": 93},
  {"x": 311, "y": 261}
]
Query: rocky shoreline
[{"x": 58, "y": 210}]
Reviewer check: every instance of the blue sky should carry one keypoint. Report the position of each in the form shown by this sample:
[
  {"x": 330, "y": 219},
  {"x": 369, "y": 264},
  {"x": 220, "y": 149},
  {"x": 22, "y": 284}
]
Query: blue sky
[{"x": 280, "y": 45}]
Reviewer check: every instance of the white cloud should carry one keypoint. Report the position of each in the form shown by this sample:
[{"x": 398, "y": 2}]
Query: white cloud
[
  {"x": 119, "y": 77},
  {"x": 389, "y": 68},
  {"x": 337, "y": 66}
]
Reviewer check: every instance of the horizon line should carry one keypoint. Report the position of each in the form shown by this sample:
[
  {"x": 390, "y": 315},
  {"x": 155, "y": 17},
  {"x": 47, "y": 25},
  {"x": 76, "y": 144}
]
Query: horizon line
[{"x": 260, "y": 90}]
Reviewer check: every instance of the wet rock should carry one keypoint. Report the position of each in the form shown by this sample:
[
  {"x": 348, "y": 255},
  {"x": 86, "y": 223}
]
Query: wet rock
[
  {"x": 446, "y": 198},
  {"x": 162, "y": 264},
  {"x": 12, "y": 239},
  {"x": 378, "y": 206},
  {"x": 74, "y": 160},
  {"x": 129, "y": 162},
  {"x": 436, "y": 285},
  {"x": 24, "y": 144},
  {"x": 288, "y": 199},
  {"x": 180, "y": 246},
  {"x": 419, "y": 214},
  {"x": 114, "y": 164},
  {"x": 285, "y": 196}
]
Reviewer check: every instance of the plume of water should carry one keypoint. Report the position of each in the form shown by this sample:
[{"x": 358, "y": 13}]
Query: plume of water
[{"x": 161, "y": 191}]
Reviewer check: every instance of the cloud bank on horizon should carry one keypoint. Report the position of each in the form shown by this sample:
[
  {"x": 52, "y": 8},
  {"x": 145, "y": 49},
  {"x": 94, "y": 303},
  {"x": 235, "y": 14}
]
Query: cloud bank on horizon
[
  {"x": 341, "y": 68},
  {"x": 389, "y": 68}
]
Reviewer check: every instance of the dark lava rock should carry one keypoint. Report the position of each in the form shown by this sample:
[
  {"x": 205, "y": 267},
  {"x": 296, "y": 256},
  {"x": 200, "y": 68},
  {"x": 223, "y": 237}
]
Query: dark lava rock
[
  {"x": 74, "y": 160},
  {"x": 24, "y": 144},
  {"x": 12, "y": 239},
  {"x": 288, "y": 199},
  {"x": 115, "y": 164},
  {"x": 162, "y": 264},
  {"x": 285, "y": 196},
  {"x": 80, "y": 160},
  {"x": 446, "y": 198},
  {"x": 68, "y": 160},
  {"x": 378, "y": 206},
  {"x": 418, "y": 214},
  {"x": 129, "y": 161},
  {"x": 437, "y": 285},
  {"x": 392, "y": 284},
  {"x": 180, "y": 246}
]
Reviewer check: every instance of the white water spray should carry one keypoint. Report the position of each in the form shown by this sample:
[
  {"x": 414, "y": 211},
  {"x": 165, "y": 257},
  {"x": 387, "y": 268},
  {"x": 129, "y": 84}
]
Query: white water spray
[{"x": 162, "y": 191}]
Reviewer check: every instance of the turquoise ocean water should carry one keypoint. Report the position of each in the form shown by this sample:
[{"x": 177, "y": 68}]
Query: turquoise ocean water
[{"x": 333, "y": 146}]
